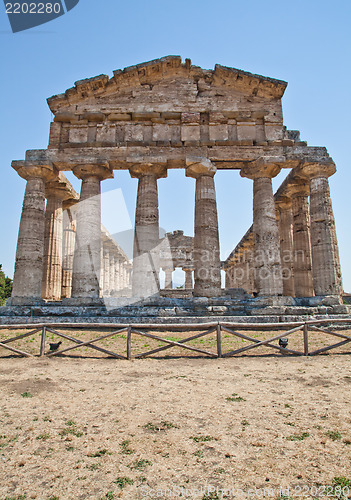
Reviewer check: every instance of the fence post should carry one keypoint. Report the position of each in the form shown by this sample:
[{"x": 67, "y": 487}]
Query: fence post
[
  {"x": 305, "y": 339},
  {"x": 42, "y": 343},
  {"x": 219, "y": 341},
  {"x": 129, "y": 342}
]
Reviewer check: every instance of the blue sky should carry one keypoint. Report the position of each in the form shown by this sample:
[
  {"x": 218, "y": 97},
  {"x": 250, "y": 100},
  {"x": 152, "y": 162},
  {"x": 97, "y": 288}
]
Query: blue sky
[{"x": 305, "y": 43}]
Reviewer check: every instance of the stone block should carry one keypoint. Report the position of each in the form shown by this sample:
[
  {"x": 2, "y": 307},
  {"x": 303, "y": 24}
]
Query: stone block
[
  {"x": 161, "y": 132},
  {"x": 218, "y": 132},
  {"x": 274, "y": 131},
  {"x": 78, "y": 134},
  {"x": 216, "y": 117},
  {"x": 134, "y": 133},
  {"x": 106, "y": 133},
  {"x": 55, "y": 134},
  {"x": 246, "y": 131},
  {"x": 331, "y": 300},
  {"x": 270, "y": 310},
  {"x": 190, "y": 133},
  {"x": 93, "y": 117},
  {"x": 171, "y": 115},
  {"x": 145, "y": 115},
  {"x": 119, "y": 117},
  {"x": 341, "y": 309},
  {"x": 191, "y": 118}
]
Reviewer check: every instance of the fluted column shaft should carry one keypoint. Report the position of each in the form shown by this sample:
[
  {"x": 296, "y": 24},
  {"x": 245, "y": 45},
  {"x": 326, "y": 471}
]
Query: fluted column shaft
[
  {"x": 106, "y": 271},
  {"x": 112, "y": 273},
  {"x": 52, "y": 268},
  {"x": 207, "y": 265},
  {"x": 325, "y": 254},
  {"x": 146, "y": 232},
  {"x": 303, "y": 282},
  {"x": 116, "y": 272},
  {"x": 268, "y": 269},
  {"x": 69, "y": 238},
  {"x": 30, "y": 245},
  {"x": 286, "y": 245},
  {"x": 87, "y": 256}
]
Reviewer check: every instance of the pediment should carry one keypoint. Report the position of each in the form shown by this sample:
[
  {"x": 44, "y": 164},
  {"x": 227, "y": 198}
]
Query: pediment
[{"x": 165, "y": 80}]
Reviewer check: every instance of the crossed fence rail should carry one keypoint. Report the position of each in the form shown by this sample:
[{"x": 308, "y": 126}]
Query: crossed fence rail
[{"x": 143, "y": 330}]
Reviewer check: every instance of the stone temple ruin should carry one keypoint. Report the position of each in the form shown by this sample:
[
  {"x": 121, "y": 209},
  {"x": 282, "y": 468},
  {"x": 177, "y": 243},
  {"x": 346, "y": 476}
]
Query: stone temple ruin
[{"x": 147, "y": 119}]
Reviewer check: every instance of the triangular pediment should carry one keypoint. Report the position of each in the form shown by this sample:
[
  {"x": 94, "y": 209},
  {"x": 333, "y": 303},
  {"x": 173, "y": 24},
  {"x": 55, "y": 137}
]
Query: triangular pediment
[{"x": 150, "y": 81}]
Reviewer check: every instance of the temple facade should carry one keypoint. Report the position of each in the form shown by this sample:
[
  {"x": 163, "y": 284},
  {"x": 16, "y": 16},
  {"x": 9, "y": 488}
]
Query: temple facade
[{"x": 150, "y": 118}]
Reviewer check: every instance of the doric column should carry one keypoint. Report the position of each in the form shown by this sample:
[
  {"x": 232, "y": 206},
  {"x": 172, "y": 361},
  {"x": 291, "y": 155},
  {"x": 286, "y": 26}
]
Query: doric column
[
  {"x": 69, "y": 238},
  {"x": 188, "y": 278},
  {"x": 129, "y": 275},
  {"x": 30, "y": 245},
  {"x": 146, "y": 231},
  {"x": 268, "y": 269},
  {"x": 206, "y": 239},
  {"x": 325, "y": 254},
  {"x": 106, "y": 278},
  {"x": 299, "y": 192},
  {"x": 116, "y": 271},
  {"x": 87, "y": 257},
  {"x": 168, "y": 277},
  {"x": 112, "y": 273},
  {"x": 52, "y": 263},
  {"x": 101, "y": 293},
  {"x": 284, "y": 207}
]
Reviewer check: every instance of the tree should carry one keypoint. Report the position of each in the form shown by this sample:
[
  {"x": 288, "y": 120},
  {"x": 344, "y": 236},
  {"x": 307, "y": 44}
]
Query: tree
[{"x": 5, "y": 287}]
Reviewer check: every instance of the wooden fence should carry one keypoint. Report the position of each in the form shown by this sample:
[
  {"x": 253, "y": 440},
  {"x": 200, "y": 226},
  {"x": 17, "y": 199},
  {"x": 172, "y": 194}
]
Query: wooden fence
[{"x": 203, "y": 329}]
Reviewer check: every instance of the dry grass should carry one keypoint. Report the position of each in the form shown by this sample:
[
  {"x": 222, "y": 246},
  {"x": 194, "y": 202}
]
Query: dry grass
[{"x": 107, "y": 429}]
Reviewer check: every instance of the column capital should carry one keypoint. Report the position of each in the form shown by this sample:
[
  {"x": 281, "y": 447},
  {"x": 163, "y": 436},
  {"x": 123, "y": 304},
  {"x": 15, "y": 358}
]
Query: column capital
[
  {"x": 283, "y": 202},
  {"x": 316, "y": 170},
  {"x": 141, "y": 169},
  {"x": 34, "y": 169},
  {"x": 197, "y": 167},
  {"x": 62, "y": 189},
  {"x": 100, "y": 170},
  {"x": 260, "y": 169},
  {"x": 69, "y": 203}
]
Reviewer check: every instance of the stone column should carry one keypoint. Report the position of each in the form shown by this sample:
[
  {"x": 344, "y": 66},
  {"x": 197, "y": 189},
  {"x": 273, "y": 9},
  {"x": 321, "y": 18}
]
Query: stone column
[
  {"x": 268, "y": 269},
  {"x": 69, "y": 239},
  {"x": 284, "y": 207},
  {"x": 168, "y": 277},
  {"x": 112, "y": 273},
  {"x": 188, "y": 278},
  {"x": 106, "y": 270},
  {"x": 302, "y": 263},
  {"x": 146, "y": 232},
  {"x": 206, "y": 239},
  {"x": 116, "y": 271},
  {"x": 52, "y": 262},
  {"x": 101, "y": 294},
  {"x": 325, "y": 254},
  {"x": 129, "y": 275},
  {"x": 30, "y": 245},
  {"x": 87, "y": 257}
]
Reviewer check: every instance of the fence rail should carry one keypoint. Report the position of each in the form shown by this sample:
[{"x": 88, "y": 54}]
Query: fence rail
[{"x": 204, "y": 329}]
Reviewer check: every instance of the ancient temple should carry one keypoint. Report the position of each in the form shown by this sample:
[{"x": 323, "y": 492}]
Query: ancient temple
[{"x": 153, "y": 117}]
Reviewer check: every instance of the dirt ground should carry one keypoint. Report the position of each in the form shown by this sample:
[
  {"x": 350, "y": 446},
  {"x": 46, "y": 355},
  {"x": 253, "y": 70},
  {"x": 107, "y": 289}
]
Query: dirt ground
[{"x": 244, "y": 427}]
